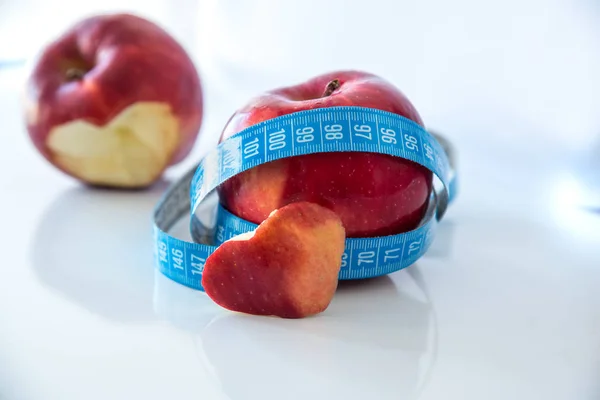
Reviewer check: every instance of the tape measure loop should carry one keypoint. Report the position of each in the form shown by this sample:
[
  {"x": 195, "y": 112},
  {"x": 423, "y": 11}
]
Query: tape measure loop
[{"x": 314, "y": 131}]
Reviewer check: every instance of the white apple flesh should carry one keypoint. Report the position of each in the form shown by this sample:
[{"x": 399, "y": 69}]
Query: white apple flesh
[{"x": 133, "y": 149}]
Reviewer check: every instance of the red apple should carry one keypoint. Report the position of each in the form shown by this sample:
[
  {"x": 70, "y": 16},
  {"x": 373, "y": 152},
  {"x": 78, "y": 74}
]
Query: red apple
[
  {"x": 373, "y": 194},
  {"x": 114, "y": 101},
  {"x": 288, "y": 267}
]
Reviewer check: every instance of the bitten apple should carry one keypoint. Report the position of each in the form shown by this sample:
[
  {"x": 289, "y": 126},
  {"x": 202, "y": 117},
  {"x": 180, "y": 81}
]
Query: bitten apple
[
  {"x": 288, "y": 267},
  {"x": 114, "y": 101},
  {"x": 373, "y": 194}
]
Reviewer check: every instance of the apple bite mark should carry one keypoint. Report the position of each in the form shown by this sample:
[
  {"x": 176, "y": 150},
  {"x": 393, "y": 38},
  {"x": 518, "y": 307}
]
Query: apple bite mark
[
  {"x": 130, "y": 151},
  {"x": 288, "y": 267}
]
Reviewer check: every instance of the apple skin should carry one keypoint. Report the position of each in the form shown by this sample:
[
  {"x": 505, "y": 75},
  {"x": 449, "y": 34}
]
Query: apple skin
[
  {"x": 96, "y": 71},
  {"x": 374, "y": 194},
  {"x": 288, "y": 267}
]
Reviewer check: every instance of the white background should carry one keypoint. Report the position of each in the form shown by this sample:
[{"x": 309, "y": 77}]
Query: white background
[{"x": 505, "y": 305}]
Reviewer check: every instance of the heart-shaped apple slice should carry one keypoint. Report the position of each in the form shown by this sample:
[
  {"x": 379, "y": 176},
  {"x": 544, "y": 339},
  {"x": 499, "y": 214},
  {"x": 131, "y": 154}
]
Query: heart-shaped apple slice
[{"x": 288, "y": 267}]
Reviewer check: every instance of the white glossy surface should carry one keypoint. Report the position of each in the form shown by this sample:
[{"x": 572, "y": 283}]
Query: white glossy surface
[{"x": 505, "y": 306}]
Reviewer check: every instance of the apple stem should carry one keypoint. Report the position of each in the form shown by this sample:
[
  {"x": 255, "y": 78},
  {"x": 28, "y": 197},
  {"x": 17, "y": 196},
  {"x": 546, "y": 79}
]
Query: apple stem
[
  {"x": 74, "y": 74},
  {"x": 331, "y": 87}
]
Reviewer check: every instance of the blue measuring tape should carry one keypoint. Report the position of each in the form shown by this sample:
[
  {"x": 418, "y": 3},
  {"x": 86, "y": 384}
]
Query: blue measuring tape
[{"x": 305, "y": 132}]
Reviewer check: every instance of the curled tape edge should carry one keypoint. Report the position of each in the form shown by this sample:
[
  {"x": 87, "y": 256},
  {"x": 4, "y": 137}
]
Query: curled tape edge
[{"x": 183, "y": 261}]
